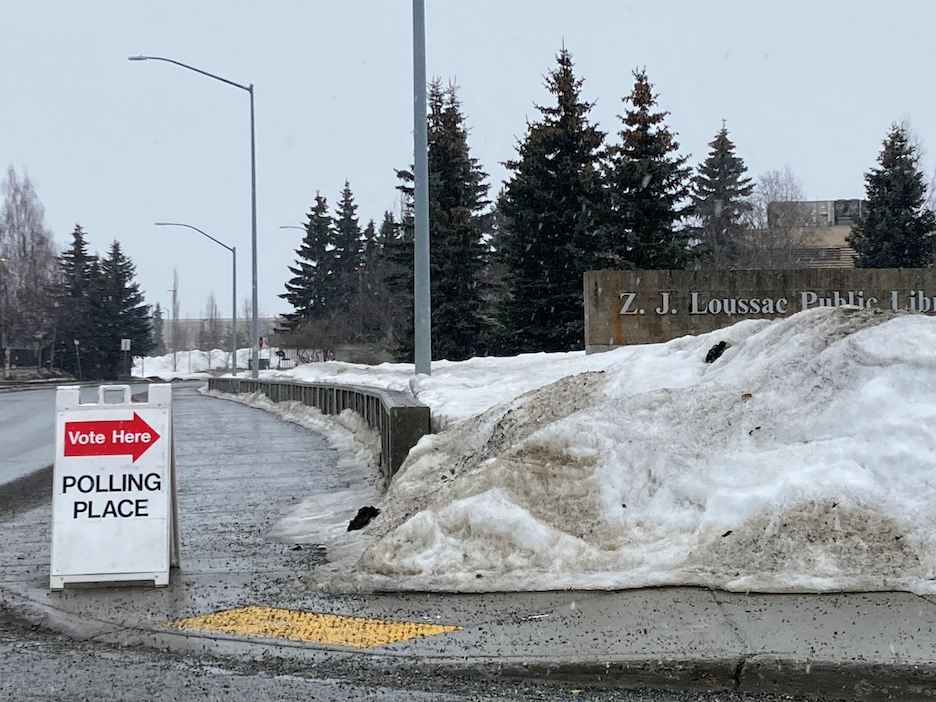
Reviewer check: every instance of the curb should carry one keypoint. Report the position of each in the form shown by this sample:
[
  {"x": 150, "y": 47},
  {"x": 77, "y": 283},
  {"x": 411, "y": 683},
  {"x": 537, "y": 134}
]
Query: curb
[
  {"x": 25, "y": 492},
  {"x": 57, "y": 620},
  {"x": 759, "y": 673},
  {"x": 637, "y": 673},
  {"x": 14, "y": 385},
  {"x": 852, "y": 680}
]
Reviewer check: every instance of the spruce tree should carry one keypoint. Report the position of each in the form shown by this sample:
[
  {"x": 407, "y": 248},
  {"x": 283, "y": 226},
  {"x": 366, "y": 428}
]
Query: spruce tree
[
  {"x": 98, "y": 325},
  {"x": 396, "y": 262},
  {"x": 346, "y": 252},
  {"x": 457, "y": 226},
  {"x": 76, "y": 323},
  {"x": 720, "y": 201},
  {"x": 123, "y": 313},
  {"x": 551, "y": 207},
  {"x": 372, "y": 304},
  {"x": 400, "y": 259},
  {"x": 308, "y": 290},
  {"x": 457, "y": 194},
  {"x": 370, "y": 244},
  {"x": 895, "y": 229},
  {"x": 647, "y": 188}
]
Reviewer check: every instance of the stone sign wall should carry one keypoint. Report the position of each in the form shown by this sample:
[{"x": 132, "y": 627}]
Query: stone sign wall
[{"x": 645, "y": 307}]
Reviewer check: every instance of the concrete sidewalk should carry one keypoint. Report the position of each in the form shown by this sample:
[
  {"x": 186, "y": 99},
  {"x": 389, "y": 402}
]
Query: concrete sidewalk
[{"x": 240, "y": 469}]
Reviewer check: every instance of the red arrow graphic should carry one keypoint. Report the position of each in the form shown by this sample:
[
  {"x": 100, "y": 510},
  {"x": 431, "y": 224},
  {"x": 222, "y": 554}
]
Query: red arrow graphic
[{"x": 116, "y": 437}]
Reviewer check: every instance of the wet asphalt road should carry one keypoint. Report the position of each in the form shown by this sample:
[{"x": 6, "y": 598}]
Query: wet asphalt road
[
  {"x": 27, "y": 445},
  {"x": 27, "y": 428}
]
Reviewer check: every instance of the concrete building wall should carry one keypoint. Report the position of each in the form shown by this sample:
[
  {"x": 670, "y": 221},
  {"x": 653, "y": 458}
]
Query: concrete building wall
[{"x": 831, "y": 248}]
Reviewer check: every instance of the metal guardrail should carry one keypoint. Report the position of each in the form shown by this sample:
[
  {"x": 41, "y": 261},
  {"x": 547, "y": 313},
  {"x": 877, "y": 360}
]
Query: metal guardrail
[{"x": 399, "y": 419}]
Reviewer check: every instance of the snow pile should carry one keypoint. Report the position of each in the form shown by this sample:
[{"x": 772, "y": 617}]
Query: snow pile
[
  {"x": 802, "y": 459},
  {"x": 456, "y": 390},
  {"x": 194, "y": 364}
]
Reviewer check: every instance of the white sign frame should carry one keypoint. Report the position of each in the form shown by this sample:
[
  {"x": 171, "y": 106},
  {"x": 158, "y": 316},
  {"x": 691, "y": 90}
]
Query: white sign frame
[{"x": 133, "y": 535}]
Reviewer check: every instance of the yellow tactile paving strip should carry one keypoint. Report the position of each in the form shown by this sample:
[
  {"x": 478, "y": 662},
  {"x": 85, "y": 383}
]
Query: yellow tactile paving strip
[{"x": 361, "y": 632}]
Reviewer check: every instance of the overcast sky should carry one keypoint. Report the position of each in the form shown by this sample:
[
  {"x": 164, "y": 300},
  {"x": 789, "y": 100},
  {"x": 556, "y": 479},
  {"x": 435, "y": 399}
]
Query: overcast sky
[{"x": 117, "y": 145}]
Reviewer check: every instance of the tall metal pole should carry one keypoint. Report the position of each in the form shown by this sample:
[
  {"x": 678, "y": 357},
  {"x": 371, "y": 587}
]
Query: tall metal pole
[
  {"x": 422, "y": 313},
  {"x": 4, "y": 341},
  {"x": 254, "y": 325},
  {"x": 234, "y": 311}
]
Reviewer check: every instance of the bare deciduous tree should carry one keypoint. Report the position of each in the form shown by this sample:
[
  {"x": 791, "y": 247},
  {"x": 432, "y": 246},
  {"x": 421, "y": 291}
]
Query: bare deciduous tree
[
  {"x": 367, "y": 319},
  {"x": 211, "y": 334},
  {"x": 244, "y": 330},
  {"x": 325, "y": 334},
  {"x": 28, "y": 271},
  {"x": 779, "y": 232},
  {"x": 177, "y": 332}
]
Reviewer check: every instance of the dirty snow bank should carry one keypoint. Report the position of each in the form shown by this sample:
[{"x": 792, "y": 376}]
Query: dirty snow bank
[{"x": 803, "y": 459}]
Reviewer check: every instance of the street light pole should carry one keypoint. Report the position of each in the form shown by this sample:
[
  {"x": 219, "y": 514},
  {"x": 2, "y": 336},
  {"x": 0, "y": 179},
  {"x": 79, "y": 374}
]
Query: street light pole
[
  {"x": 4, "y": 312},
  {"x": 422, "y": 303},
  {"x": 78, "y": 357},
  {"x": 233, "y": 250},
  {"x": 254, "y": 324}
]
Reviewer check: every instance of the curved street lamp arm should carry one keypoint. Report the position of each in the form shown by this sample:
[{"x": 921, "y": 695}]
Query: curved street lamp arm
[
  {"x": 255, "y": 328},
  {"x": 248, "y": 88},
  {"x": 180, "y": 224}
]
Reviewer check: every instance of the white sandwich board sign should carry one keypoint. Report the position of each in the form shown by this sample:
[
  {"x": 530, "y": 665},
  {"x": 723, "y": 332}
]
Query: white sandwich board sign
[{"x": 114, "y": 515}]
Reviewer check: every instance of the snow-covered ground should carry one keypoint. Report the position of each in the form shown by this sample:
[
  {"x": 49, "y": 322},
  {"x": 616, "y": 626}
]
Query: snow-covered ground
[
  {"x": 195, "y": 364},
  {"x": 802, "y": 459}
]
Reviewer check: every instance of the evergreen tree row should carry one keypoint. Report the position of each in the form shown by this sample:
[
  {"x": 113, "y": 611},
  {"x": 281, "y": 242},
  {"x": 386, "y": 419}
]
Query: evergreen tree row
[
  {"x": 355, "y": 286},
  {"x": 337, "y": 289},
  {"x": 99, "y": 304},
  {"x": 509, "y": 279}
]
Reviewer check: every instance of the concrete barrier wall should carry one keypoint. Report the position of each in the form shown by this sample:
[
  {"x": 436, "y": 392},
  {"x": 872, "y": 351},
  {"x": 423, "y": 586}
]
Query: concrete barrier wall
[
  {"x": 399, "y": 419},
  {"x": 646, "y": 307}
]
